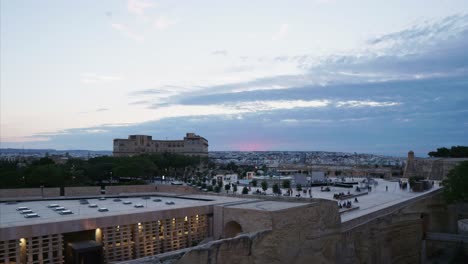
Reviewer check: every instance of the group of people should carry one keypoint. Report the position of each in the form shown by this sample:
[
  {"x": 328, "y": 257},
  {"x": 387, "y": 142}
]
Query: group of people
[
  {"x": 347, "y": 204},
  {"x": 340, "y": 195},
  {"x": 260, "y": 192},
  {"x": 403, "y": 185},
  {"x": 289, "y": 192}
]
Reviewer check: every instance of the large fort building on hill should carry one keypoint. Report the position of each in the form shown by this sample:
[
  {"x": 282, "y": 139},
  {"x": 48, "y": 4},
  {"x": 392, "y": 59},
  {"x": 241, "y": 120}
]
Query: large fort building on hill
[{"x": 192, "y": 144}]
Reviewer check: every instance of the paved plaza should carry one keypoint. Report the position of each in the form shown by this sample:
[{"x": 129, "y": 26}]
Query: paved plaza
[{"x": 377, "y": 199}]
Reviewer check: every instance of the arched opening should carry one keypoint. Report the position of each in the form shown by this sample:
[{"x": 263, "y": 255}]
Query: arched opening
[{"x": 232, "y": 229}]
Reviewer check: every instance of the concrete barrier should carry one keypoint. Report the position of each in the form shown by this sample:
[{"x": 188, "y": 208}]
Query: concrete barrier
[
  {"x": 82, "y": 190},
  {"x": 29, "y": 192}
]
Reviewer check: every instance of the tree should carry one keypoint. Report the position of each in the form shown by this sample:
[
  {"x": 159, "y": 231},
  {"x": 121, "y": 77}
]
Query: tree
[
  {"x": 453, "y": 152},
  {"x": 213, "y": 182},
  {"x": 10, "y": 175},
  {"x": 245, "y": 190},
  {"x": 254, "y": 183},
  {"x": 286, "y": 184},
  {"x": 47, "y": 175},
  {"x": 264, "y": 185},
  {"x": 299, "y": 187},
  {"x": 44, "y": 161},
  {"x": 456, "y": 184},
  {"x": 232, "y": 166},
  {"x": 234, "y": 188},
  {"x": 227, "y": 187},
  {"x": 276, "y": 188},
  {"x": 414, "y": 179},
  {"x": 217, "y": 188}
]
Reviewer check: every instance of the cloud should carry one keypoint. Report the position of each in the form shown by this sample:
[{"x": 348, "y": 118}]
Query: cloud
[
  {"x": 433, "y": 49},
  {"x": 323, "y": 121},
  {"x": 220, "y": 52},
  {"x": 90, "y": 78},
  {"x": 444, "y": 57},
  {"x": 353, "y": 104},
  {"x": 249, "y": 107},
  {"x": 163, "y": 22},
  {"x": 127, "y": 32},
  {"x": 358, "y": 100},
  {"x": 429, "y": 33},
  {"x": 95, "y": 131},
  {"x": 141, "y": 102},
  {"x": 138, "y": 7},
  {"x": 177, "y": 110},
  {"x": 24, "y": 139},
  {"x": 281, "y": 33}
]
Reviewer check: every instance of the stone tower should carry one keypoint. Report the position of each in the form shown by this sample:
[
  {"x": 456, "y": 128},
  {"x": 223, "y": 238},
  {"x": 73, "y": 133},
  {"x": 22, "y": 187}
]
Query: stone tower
[{"x": 409, "y": 167}]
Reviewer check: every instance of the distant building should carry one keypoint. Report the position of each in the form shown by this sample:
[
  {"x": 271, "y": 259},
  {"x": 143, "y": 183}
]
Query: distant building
[
  {"x": 317, "y": 176},
  {"x": 227, "y": 179},
  {"x": 192, "y": 144}
]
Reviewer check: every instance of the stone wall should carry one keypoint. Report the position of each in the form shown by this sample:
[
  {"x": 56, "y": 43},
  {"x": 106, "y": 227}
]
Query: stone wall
[
  {"x": 176, "y": 189},
  {"x": 83, "y": 190},
  {"x": 249, "y": 220},
  {"x": 389, "y": 239},
  {"x": 298, "y": 235},
  {"x": 118, "y": 189},
  {"x": 166, "y": 188},
  {"x": 29, "y": 192},
  {"x": 314, "y": 234},
  {"x": 431, "y": 168},
  {"x": 438, "y": 248}
]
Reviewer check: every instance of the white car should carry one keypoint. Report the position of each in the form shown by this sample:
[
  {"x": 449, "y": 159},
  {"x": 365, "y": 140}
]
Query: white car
[{"x": 177, "y": 183}]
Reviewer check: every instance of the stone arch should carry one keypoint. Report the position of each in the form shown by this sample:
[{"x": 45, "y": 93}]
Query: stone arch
[{"x": 232, "y": 229}]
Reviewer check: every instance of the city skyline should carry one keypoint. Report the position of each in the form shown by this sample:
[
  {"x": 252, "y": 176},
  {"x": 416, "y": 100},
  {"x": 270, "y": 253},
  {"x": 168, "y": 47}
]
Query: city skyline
[{"x": 366, "y": 76}]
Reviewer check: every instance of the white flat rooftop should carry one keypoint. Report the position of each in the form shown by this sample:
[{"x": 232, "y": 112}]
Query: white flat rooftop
[{"x": 9, "y": 216}]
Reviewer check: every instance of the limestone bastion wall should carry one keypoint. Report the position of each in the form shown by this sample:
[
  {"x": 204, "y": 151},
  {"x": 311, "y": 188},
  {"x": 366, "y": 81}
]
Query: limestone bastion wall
[{"x": 29, "y": 192}]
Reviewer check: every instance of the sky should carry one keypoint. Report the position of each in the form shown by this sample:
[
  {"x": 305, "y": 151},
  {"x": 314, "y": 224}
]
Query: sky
[{"x": 374, "y": 76}]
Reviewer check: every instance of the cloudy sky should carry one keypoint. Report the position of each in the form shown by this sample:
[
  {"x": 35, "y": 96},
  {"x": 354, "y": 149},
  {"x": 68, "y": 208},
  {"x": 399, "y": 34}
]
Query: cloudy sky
[{"x": 335, "y": 75}]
